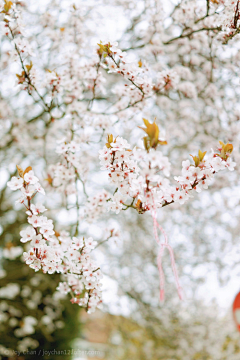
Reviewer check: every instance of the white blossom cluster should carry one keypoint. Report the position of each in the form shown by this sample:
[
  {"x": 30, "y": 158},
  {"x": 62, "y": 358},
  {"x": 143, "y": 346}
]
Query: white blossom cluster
[
  {"x": 63, "y": 254},
  {"x": 130, "y": 71},
  {"x": 141, "y": 175},
  {"x": 143, "y": 82},
  {"x": 95, "y": 206},
  {"x": 63, "y": 174}
]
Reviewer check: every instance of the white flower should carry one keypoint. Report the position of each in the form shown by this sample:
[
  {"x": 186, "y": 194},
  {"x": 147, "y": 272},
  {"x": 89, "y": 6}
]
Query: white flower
[
  {"x": 20, "y": 200},
  {"x": 45, "y": 223},
  {"x": 63, "y": 288},
  {"x": 15, "y": 183},
  {"x": 62, "y": 148},
  {"x": 35, "y": 221},
  {"x": 30, "y": 178},
  {"x": 196, "y": 172},
  {"x": 29, "y": 257},
  {"x": 120, "y": 144},
  {"x": 77, "y": 243},
  {"x": 73, "y": 147},
  {"x": 115, "y": 207},
  {"x": 37, "y": 241},
  {"x": 36, "y": 265},
  {"x": 217, "y": 163},
  {"x": 90, "y": 243},
  {"x": 39, "y": 188},
  {"x": 49, "y": 268},
  {"x": 27, "y": 234},
  {"x": 186, "y": 165},
  {"x": 37, "y": 209},
  {"x": 28, "y": 191},
  {"x": 47, "y": 233},
  {"x": 180, "y": 197},
  {"x": 230, "y": 164}
]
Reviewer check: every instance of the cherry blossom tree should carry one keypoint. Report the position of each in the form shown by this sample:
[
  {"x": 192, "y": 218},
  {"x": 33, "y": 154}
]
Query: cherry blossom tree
[{"x": 105, "y": 129}]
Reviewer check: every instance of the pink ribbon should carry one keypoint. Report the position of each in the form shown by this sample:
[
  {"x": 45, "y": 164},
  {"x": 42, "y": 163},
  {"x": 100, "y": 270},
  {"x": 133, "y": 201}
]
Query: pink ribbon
[{"x": 156, "y": 226}]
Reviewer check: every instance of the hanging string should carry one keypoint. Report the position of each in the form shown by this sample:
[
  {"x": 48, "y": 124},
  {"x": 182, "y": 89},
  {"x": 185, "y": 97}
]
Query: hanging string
[{"x": 164, "y": 245}]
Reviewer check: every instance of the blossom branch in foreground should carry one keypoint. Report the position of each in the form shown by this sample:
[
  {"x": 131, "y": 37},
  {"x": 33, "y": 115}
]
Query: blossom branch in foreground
[
  {"x": 136, "y": 174},
  {"x": 52, "y": 252}
]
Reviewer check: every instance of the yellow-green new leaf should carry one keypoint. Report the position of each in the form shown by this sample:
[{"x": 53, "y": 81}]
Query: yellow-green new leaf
[
  {"x": 196, "y": 160},
  {"x": 29, "y": 66},
  {"x": 201, "y": 155},
  {"x": 7, "y": 6},
  {"x": 228, "y": 148}
]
